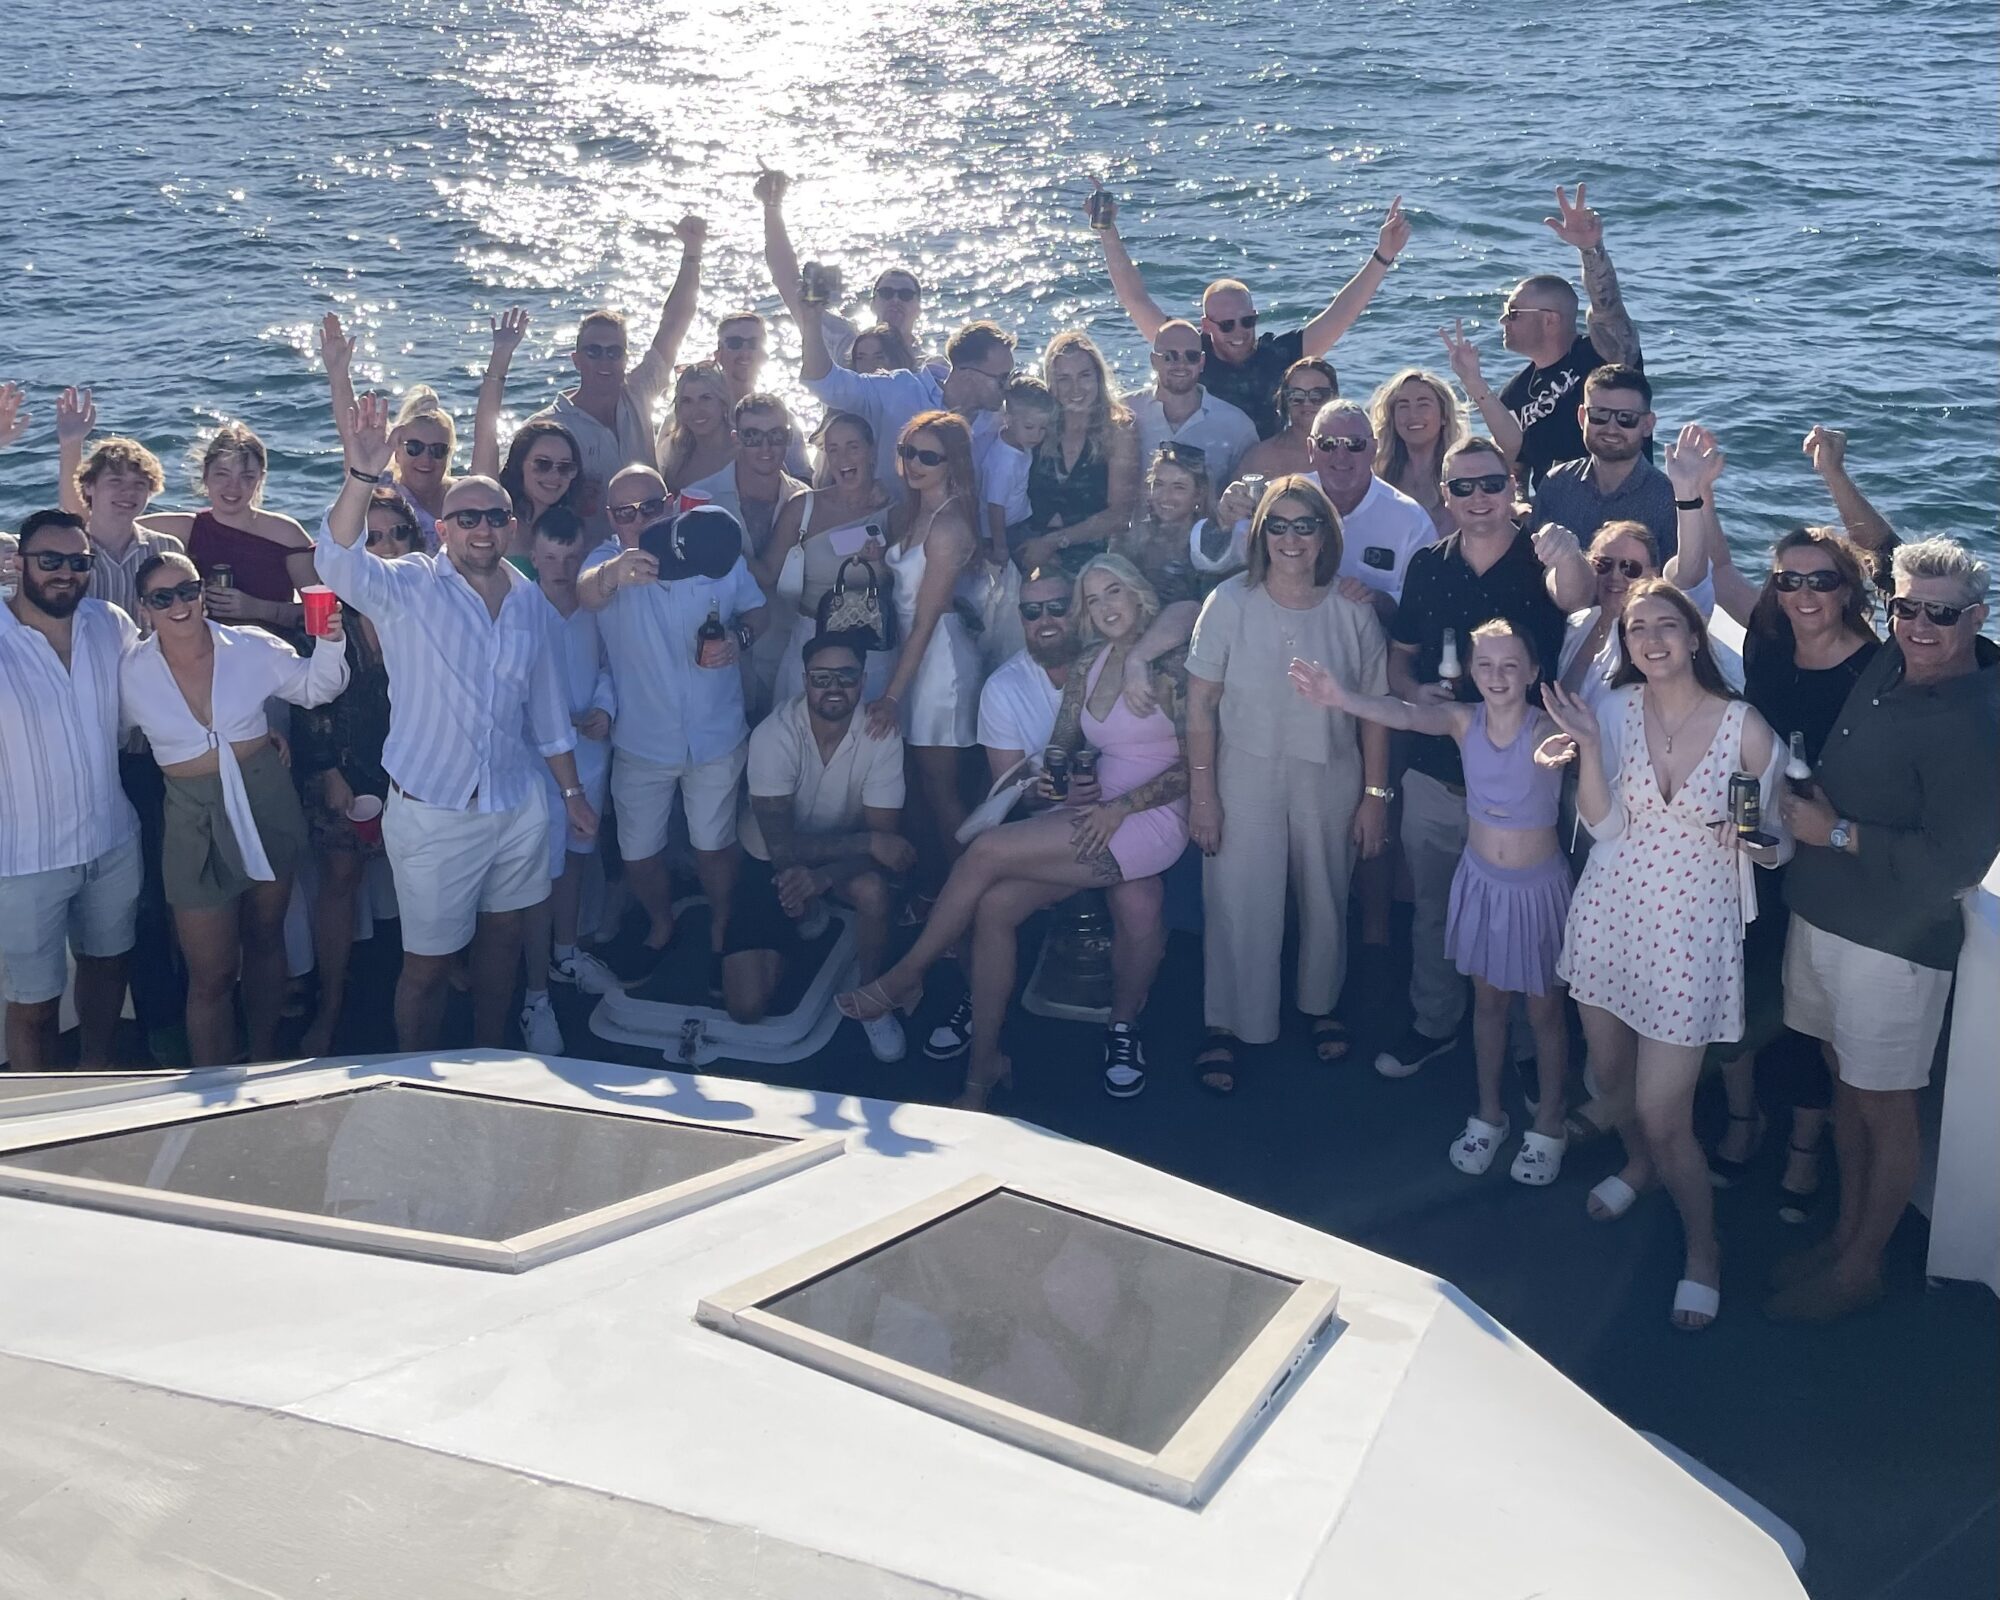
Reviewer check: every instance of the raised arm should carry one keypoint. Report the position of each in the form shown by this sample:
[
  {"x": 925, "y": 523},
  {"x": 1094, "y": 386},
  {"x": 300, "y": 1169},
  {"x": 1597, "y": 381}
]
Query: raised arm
[
  {"x": 1567, "y": 572},
  {"x": 783, "y": 261},
  {"x": 1694, "y": 461},
  {"x": 1463, "y": 354},
  {"x": 677, "y": 315},
  {"x": 13, "y": 420},
  {"x": 1319, "y": 685},
  {"x": 1126, "y": 283},
  {"x": 1324, "y": 331},
  {"x": 1581, "y": 741},
  {"x": 336, "y": 351},
  {"x": 508, "y": 329},
  {"x": 76, "y": 415},
  {"x": 362, "y": 579},
  {"x": 1827, "y": 449},
  {"x": 1582, "y": 229}
]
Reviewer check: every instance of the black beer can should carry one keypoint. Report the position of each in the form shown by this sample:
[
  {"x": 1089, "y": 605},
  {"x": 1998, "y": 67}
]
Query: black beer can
[
  {"x": 1745, "y": 805},
  {"x": 1055, "y": 762},
  {"x": 1083, "y": 765}
]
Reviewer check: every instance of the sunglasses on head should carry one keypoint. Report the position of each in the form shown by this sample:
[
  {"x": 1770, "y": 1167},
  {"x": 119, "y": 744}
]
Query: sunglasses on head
[
  {"x": 833, "y": 677},
  {"x": 743, "y": 341},
  {"x": 901, "y": 291},
  {"x": 56, "y": 560},
  {"x": 1824, "y": 582},
  {"x": 601, "y": 352},
  {"x": 1603, "y": 414},
  {"x": 471, "y": 517},
  {"x": 1185, "y": 455},
  {"x": 1904, "y": 609},
  {"x": 1316, "y": 397},
  {"x": 414, "y": 448},
  {"x": 1485, "y": 483},
  {"x": 167, "y": 596},
  {"x": 1034, "y": 610},
  {"x": 404, "y": 532},
  {"x": 564, "y": 469},
  {"x": 652, "y": 509},
  {"x": 930, "y": 458},
  {"x": 1331, "y": 442},
  {"x": 752, "y": 438},
  {"x": 1229, "y": 324},
  {"x": 1292, "y": 527},
  {"x": 1634, "y": 570},
  {"x": 1175, "y": 357}
]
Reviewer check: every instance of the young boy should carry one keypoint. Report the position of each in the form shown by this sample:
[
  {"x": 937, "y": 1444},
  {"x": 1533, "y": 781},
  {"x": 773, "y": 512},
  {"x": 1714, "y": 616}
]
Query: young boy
[{"x": 1028, "y": 410}]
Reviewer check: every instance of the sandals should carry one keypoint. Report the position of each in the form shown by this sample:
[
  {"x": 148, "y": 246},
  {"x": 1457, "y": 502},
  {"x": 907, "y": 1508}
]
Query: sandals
[
  {"x": 870, "y": 1001},
  {"x": 1539, "y": 1160},
  {"x": 1472, "y": 1152},
  {"x": 1796, "y": 1205},
  {"x": 1693, "y": 1299},
  {"x": 973, "y": 1096},
  {"x": 1724, "y": 1173},
  {"x": 1613, "y": 1198},
  {"x": 1579, "y": 1129},
  {"x": 1330, "y": 1039},
  {"x": 1217, "y": 1059}
]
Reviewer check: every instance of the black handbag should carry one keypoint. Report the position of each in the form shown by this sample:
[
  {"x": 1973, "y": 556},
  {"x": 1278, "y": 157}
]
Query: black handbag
[{"x": 860, "y": 608}]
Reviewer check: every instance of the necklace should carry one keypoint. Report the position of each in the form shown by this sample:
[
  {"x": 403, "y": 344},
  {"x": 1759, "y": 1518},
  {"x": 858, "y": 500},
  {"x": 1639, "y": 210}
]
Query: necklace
[{"x": 1670, "y": 734}]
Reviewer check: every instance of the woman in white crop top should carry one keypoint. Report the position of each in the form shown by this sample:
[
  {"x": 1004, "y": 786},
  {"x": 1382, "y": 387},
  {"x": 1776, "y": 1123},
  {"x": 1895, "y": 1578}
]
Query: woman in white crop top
[{"x": 233, "y": 828}]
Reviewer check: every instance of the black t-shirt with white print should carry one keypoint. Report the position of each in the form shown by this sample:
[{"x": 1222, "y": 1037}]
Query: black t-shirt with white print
[{"x": 1544, "y": 402}]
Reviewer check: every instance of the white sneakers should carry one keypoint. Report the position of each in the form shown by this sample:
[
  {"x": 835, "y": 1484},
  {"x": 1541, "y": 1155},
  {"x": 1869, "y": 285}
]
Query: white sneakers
[
  {"x": 539, "y": 1029},
  {"x": 885, "y": 1037},
  {"x": 586, "y": 972}
]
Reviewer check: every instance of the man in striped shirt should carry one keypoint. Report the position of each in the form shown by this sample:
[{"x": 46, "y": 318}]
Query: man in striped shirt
[
  {"x": 476, "y": 696},
  {"x": 69, "y": 842}
]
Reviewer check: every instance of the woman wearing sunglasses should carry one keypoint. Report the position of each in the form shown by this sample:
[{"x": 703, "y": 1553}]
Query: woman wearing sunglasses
[
  {"x": 1083, "y": 483},
  {"x": 1808, "y": 636},
  {"x": 543, "y": 470},
  {"x": 697, "y": 439},
  {"x": 1622, "y": 555},
  {"x": 337, "y": 760},
  {"x": 234, "y": 830},
  {"x": 1307, "y": 386},
  {"x": 268, "y": 556}
]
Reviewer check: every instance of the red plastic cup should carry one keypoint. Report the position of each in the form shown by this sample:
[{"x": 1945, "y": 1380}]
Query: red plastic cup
[
  {"x": 319, "y": 603},
  {"x": 689, "y": 501},
  {"x": 365, "y": 817}
]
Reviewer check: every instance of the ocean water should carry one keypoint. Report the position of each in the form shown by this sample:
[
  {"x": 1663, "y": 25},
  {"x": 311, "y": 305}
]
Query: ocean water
[{"x": 1801, "y": 203}]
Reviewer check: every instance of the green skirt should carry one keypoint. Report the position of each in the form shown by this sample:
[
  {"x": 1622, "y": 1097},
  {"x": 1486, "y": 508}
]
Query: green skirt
[{"x": 199, "y": 861}]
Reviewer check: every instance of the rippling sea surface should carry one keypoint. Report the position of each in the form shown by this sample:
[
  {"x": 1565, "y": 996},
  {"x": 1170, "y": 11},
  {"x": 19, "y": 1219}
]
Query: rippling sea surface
[{"x": 1801, "y": 203}]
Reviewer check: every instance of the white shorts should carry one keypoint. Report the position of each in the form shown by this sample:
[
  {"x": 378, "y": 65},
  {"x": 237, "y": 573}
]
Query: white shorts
[
  {"x": 643, "y": 792},
  {"x": 1881, "y": 1014},
  {"x": 93, "y": 907},
  {"x": 564, "y": 842},
  {"x": 452, "y": 865}
]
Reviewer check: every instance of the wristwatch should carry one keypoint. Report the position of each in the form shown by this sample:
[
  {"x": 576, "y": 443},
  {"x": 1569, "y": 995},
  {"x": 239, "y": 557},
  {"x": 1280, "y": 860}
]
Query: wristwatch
[
  {"x": 1383, "y": 792},
  {"x": 1842, "y": 834},
  {"x": 574, "y": 791},
  {"x": 744, "y": 637}
]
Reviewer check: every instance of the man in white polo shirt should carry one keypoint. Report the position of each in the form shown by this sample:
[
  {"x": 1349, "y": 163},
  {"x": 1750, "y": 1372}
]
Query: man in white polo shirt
[
  {"x": 1017, "y": 707},
  {"x": 1179, "y": 410},
  {"x": 69, "y": 839},
  {"x": 824, "y": 818},
  {"x": 680, "y": 727},
  {"x": 476, "y": 696}
]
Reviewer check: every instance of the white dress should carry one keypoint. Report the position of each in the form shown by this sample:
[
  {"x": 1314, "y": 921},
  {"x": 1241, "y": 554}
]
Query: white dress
[{"x": 942, "y": 706}]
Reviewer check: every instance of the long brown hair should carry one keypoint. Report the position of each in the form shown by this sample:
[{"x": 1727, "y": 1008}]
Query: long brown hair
[
  {"x": 956, "y": 440},
  {"x": 1767, "y": 618},
  {"x": 1707, "y": 672},
  {"x": 1294, "y": 486}
]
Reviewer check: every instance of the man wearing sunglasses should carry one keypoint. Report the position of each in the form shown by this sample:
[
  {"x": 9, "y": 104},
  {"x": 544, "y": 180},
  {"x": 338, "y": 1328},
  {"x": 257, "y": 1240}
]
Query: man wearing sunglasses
[
  {"x": 69, "y": 839},
  {"x": 477, "y": 704},
  {"x": 1900, "y": 819},
  {"x": 1613, "y": 481},
  {"x": 1018, "y": 705},
  {"x": 1539, "y": 322},
  {"x": 1245, "y": 367},
  {"x": 1178, "y": 410},
  {"x": 741, "y": 343},
  {"x": 823, "y": 820},
  {"x": 610, "y": 411}
]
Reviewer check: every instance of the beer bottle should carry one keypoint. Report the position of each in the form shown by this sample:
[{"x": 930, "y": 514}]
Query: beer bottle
[{"x": 711, "y": 640}]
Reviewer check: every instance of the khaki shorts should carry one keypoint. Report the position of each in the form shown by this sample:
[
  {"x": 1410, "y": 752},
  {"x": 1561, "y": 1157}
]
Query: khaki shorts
[
  {"x": 1881, "y": 1014},
  {"x": 643, "y": 794}
]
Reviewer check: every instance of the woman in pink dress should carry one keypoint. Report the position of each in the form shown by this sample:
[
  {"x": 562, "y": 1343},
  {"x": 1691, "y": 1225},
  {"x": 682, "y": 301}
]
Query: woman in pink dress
[{"x": 1117, "y": 834}]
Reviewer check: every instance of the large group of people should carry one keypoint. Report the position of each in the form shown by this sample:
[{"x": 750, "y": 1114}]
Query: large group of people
[{"x": 1296, "y": 651}]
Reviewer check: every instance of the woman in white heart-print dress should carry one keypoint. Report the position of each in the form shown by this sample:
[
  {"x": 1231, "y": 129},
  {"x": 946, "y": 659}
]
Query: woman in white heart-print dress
[{"x": 1653, "y": 953}]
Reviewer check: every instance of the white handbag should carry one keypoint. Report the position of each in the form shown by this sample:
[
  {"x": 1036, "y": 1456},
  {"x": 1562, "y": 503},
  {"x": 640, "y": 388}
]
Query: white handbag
[
  {"x": 999, "y": 802},
  {"x": 791, "y": 585}
]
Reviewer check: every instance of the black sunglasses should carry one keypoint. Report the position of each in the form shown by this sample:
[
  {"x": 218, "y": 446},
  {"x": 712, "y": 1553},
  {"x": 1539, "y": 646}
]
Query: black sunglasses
[
  {"x": 1485, "y": 483},
  {"x": 930, "y": 458},
  {"x": 1033, "y": 610},
  {"x": 885, "y": 291},
  {"x": 470, "y": 517},
  {"x": 1904, "y": 609},
  {"x": 167, "y": 599},
  {"x": 1331, "y": 442},
  {"x": 754, "y": 437},
  {"x": 566, "y": 469},
  {"x": 1292, "y": 527},
  {"x": 601, "y": 352},
  {"x": 651, "y": 509},
  {"x": 1603, "y": 414},
  {"x": 1228, "y": 324},
  {"x": 1317, "y": 397},
  {"x": 406, "y": 532},
  {"x": 1634, "y": 570},
  {"x": 414, "y": 448},
  {"x": 833, "y": 677},
  {"x": 1187, "y": 455},
  {"x": 56, "y": 560},
  {"x": 1819, "y": 582},
  {"x": 743, "y": 341},
  {"x": 1191, "y": 357}
]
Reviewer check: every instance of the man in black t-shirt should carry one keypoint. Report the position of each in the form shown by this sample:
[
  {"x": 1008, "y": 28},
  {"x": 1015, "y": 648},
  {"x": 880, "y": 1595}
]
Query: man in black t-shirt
[
  {"x": 1487, "y": 569},
  {"x": 1245, "y": 367},
  {"x": 1540, "y": 323}
]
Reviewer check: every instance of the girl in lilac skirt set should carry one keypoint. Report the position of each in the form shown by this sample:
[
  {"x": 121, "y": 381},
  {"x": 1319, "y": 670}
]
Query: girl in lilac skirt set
[{"x": 1510, "y": 898}]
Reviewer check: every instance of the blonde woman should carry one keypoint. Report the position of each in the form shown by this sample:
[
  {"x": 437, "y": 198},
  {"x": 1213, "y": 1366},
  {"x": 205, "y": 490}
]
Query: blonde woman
[
  {"x": 1283, "y": 794},
  {"x": 1083, "y": 484},
  {"x": 697, "y": 438},
  {"x": 1416, "y": 417}
]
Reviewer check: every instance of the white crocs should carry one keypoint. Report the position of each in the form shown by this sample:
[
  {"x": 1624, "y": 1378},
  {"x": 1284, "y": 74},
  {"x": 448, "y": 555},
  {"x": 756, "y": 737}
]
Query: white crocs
[
  {"x": 1538, "y": 1160},
  {"x": 1474, "y": 1149}
]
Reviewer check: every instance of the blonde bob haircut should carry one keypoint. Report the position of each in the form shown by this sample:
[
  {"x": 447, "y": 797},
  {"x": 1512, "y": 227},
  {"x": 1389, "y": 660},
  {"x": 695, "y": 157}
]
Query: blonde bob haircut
[{"x": 1127, "y": 574}]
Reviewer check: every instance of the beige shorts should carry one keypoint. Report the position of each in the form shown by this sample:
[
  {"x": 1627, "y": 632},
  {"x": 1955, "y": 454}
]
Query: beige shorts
[
  {"x": 452, "y": 865},
  {"x": 643, "y": 793},
  {"x": 1881, "y": 1014}
]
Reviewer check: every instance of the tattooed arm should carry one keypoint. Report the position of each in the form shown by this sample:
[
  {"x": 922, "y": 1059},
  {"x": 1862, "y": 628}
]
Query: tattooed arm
[
  {"x": 1170, "y": 684},
  {"x": 1611, "y": 329}
]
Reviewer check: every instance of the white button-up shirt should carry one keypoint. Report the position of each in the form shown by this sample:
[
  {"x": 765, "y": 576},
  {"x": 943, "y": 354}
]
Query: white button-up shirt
[
  {"x": 473, "y": 698},
  {"x": 670, "y": 711},
  {"x": 60, "y": 800},
  {"x": 1219, "y": 430}
]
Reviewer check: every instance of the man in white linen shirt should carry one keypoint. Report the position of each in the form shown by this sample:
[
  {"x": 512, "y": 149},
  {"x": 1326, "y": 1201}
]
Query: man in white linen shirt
[
  {"x": 1178, "y": 409},
  {"x": 476, "y": 694},
  {"x": 610, "y": 411},
  {"x": 681, "y": 726},
  {"x": 69, "y": 839}
]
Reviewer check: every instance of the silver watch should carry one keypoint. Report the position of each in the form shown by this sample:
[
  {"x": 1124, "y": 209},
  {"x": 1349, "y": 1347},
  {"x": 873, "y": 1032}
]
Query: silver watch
[
  {"x": 1842, "y": 834},
  {"x": 1382, "y": 792}
]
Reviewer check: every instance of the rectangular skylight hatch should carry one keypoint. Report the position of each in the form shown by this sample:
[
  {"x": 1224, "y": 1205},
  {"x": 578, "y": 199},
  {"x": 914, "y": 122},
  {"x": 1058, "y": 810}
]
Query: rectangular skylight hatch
[
  {"x": 401, "y": 1168},
  {"x": 1138, "y": 1357}
]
